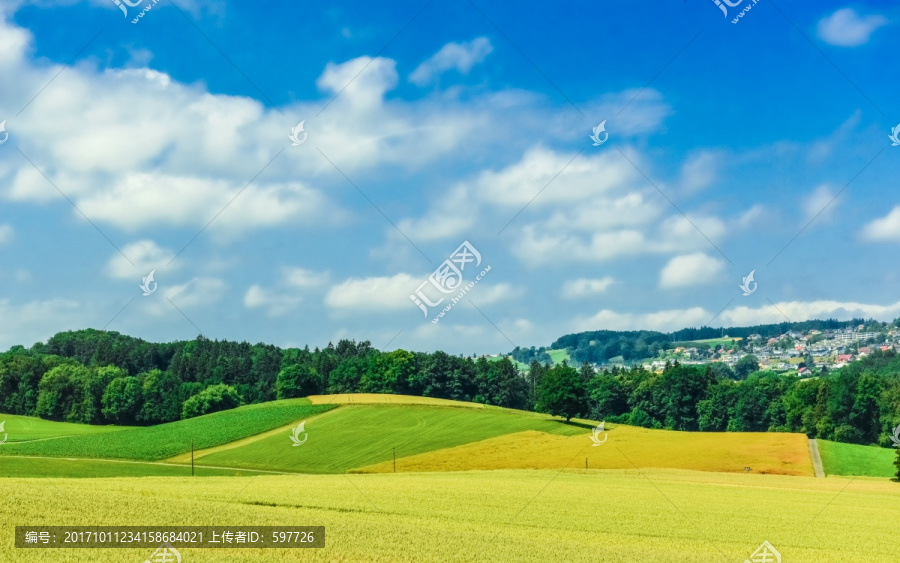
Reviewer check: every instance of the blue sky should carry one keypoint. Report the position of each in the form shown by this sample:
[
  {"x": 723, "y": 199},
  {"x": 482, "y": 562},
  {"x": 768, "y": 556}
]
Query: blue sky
[{"x": 164, "y": 145}]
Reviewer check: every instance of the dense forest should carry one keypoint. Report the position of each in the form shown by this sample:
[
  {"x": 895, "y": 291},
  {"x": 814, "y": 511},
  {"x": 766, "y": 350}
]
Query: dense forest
[{"x": 101, "y": 377}]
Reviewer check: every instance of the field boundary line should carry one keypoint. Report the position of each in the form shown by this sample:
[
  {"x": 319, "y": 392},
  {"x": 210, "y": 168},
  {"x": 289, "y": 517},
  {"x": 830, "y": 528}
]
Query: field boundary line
[{"x": 163, "y": 463}]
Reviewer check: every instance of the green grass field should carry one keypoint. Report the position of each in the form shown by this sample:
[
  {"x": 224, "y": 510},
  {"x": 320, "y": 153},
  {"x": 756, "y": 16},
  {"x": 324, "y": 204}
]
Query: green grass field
[
  {"x": 559, "y": 356},
  {"x": 26, "y": 428},
  {"x": 853, "y": 459},
  {"x": 166, "y": 440},
  {"x": 534, "y": 516}
]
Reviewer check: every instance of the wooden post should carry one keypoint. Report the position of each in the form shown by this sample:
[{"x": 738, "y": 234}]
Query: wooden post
[
  {"x": 192, "y": 457},
  {"x": 395, "y": 459},
  {"x": 585, "y": 463}
]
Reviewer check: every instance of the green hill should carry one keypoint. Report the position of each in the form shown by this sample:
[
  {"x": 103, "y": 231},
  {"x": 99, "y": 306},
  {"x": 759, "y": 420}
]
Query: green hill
[
  {"x": 27, "y": 428},
  {"x": 166, "y": 440},
  {"x": 354, "y": 436}
]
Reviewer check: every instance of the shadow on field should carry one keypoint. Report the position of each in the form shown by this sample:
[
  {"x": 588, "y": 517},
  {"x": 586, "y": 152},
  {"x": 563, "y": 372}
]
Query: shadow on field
[{"x": 576, "y": 424}]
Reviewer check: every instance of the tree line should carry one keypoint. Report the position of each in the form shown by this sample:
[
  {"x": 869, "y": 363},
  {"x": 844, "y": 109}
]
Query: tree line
[{"x": 859, "y": 403}]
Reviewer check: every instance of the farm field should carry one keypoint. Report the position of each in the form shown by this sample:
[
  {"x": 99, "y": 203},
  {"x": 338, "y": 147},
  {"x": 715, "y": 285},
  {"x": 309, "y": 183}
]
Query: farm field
[
  {"x": 357, "y": 435},
  {"x": 93, "y": 468},
  {"x": 573, "y": 515},
  {"x": 165, "y": 440},
  {"x": 627, "y": 447},
  {"x": 852, "y": 459},
  {"x": 27, "y": 428}
]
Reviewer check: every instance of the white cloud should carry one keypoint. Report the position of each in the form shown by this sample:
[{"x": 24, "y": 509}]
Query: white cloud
[
  {"x": 583, "y": 287},
  {"x": 361, "y": 82},
  {"x": 6, "y": 233},
  {"x": 700, "y": 171},
  {"x": 275, "y": 304},
  {"x": 886, "y": 228},
  {"x": 461, "y": 56},
  {"x": 820, "y": 203},
  {"x": 483, "y": 294},
  {"x": 374, "y": 293},
  {"x": 689, "y": 270},
  {"x": 145, "y": 255},
  {"x": 284, "y": 297},
  {"x": 749, "y": 217},
  {"x": 198, "y": 292},
  {"x": 303, "y": 278},
  {"x": 846, "y": 28}
]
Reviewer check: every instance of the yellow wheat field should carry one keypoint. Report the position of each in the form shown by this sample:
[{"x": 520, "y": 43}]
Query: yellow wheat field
[
  {"x": 626, "y": 447},
  {"x": 534, "y": 516}
]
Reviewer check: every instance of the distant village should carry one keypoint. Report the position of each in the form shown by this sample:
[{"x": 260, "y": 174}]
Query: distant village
[{"x": 806, "y": 354}]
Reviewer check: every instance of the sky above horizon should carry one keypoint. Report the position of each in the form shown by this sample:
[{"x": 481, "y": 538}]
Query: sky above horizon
[{"x": 163, "y": 146}]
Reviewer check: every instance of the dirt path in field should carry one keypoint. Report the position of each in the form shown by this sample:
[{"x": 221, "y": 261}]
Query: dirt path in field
[
  {"x": 286, "y": 430},
  {"x": 816, "y": 458}
]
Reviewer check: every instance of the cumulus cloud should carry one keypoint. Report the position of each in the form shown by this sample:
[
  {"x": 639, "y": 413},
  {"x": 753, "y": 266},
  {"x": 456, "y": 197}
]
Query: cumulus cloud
[
  {"x": 583, "y": 287},
  {"x": 144, "y": 256},
  {"x": 846, "y": 28},
  {"x": 689, "y": 270},
  {"x": 284, "y": 297},
  {"x": 459, "y": 56},
  {"x": 379, "y": 293},
  {"x": 886, "y": 228}
]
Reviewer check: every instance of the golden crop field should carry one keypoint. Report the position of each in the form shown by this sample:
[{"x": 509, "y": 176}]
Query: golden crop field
[
  {"x": 571, "y": 515},
  {"x": 627, "y": 447}
]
